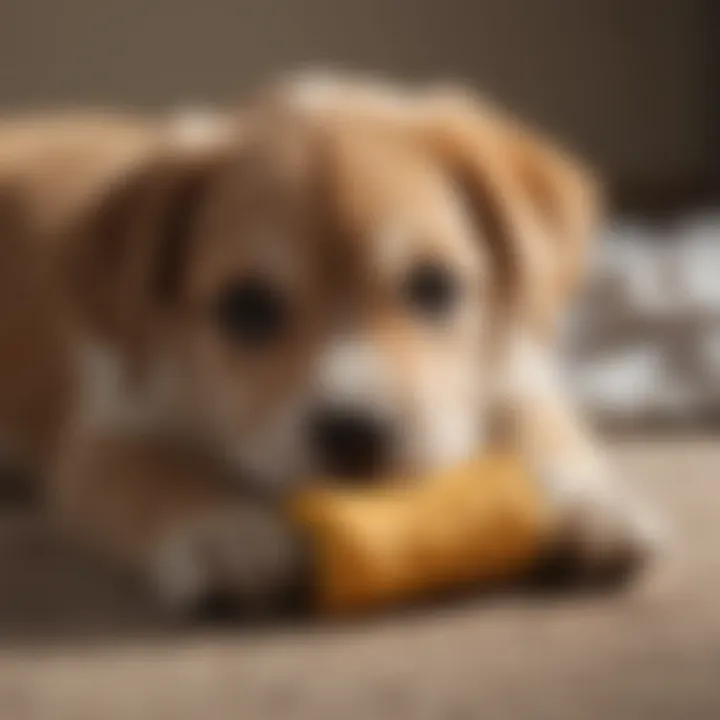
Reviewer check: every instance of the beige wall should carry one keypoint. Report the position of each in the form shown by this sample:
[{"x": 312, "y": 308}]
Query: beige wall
[{"x": 628, "y": 81}]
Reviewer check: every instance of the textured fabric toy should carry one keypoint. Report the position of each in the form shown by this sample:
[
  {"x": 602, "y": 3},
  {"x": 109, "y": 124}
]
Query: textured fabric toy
[{"x": 373, "y": 547}]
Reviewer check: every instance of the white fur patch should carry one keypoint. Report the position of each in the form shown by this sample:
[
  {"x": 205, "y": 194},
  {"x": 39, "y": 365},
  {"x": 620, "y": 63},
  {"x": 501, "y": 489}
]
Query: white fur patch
[
  {"x": 325, "y": 92},
  {"x": 353, "y": 370},
  {"x": 109, "y": 401},
  {"x": 200, "y": 129},
  {"x": 531, "y": 371},
  {"x": 608, "y": 521}
]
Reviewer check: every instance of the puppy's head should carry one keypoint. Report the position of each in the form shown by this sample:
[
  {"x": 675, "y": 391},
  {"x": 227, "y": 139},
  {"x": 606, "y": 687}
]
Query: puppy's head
[{"x": 328, "y": 289}]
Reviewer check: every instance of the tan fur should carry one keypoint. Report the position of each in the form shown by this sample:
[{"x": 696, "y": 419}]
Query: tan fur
[
  {"x": 49, "y": 169},
  {"x": 117, "y": 234}
]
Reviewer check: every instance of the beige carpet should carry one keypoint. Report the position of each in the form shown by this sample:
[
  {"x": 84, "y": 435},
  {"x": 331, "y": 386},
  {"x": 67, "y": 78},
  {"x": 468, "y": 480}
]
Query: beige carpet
[{"x": 76, "y": 643}]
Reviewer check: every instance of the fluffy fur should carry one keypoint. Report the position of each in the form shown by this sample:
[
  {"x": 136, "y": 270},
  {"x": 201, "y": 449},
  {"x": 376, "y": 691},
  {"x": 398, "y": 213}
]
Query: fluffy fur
[{"x": 163, "y": 442}]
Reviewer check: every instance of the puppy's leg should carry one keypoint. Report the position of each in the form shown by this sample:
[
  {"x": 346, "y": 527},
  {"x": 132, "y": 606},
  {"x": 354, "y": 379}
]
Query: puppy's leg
[
  {"x": 172, "y": 516},
  {"x": 605, "y": 531}
]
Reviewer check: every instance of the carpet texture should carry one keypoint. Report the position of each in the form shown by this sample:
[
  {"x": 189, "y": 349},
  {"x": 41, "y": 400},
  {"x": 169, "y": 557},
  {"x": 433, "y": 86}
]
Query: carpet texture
[{"x": 77, "y": 642}]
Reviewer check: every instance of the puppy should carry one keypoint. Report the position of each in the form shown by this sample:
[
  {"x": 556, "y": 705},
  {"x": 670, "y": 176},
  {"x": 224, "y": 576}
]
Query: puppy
[{"x": 346, "y": 279}]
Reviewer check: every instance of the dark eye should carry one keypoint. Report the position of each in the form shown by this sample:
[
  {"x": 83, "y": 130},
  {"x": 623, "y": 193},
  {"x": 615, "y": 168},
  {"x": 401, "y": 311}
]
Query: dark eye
[
  {"x": 431, "y": 289},
  {"x": 252, "y": 312}
]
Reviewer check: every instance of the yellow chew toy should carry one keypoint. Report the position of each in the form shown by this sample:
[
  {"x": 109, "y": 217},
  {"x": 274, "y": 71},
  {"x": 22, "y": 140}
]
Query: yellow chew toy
[{"x": 380, "y": 546}]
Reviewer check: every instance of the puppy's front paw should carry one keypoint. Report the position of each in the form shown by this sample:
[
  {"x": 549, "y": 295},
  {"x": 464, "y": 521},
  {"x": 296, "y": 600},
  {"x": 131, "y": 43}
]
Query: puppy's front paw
[
  {"x": 241, "y": 559},
  {"x": 605, "y": 536}
]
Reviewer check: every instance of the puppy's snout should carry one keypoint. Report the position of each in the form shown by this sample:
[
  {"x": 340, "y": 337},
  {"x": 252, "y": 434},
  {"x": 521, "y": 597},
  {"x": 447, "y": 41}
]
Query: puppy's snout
[{"x": 350, "y": 443}]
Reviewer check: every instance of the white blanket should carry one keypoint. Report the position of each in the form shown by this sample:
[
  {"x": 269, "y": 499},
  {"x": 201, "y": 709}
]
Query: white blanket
[{"x": 645, "y": 342}]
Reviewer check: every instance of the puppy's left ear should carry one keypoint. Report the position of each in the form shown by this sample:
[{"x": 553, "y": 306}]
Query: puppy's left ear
[
  {"x": 535, "y": 205},
  {"x": 130, "y": 244}
]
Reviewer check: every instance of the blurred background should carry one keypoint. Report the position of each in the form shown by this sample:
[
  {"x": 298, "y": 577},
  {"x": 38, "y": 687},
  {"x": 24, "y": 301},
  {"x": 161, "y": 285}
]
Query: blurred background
[
  {"x": 630, "y": 84},
  {"x": 634, "y": 85}
]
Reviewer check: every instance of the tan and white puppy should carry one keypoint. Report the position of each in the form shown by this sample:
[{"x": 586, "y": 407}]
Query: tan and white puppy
[{"x": 352, "y": 279}]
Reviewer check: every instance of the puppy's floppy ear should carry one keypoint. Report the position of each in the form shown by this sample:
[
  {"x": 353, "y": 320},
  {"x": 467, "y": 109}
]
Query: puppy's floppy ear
[
  {"x": 130, "y": 244},
  {"x": 535, "y": 205}
]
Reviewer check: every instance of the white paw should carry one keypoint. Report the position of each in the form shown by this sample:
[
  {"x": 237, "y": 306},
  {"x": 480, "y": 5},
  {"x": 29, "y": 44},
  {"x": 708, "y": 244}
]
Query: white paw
[
  {"x": 243, "y": 555},
  {"x": 604, "y": 534}
]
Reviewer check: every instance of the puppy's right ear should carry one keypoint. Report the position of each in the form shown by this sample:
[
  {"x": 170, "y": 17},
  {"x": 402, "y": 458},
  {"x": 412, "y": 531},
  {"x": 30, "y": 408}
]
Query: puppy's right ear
[
  {"x": 128, "y": 248},
  {"x": 536, "y": 205}
]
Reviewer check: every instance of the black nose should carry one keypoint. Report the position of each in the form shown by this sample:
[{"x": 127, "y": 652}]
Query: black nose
[{"x": 350, "y": 444}]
